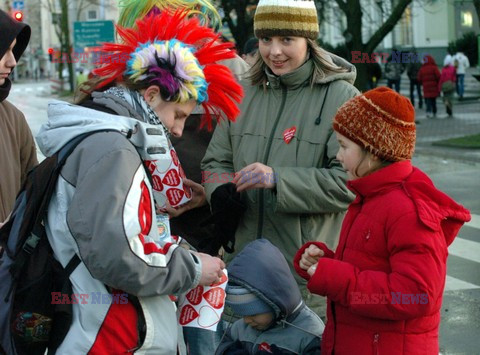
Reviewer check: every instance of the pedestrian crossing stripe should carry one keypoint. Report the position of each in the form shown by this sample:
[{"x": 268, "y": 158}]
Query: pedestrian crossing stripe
[
  {"x": 454, "y": 284},
  {"x": 465, "y": 249},
  {"x": 475, "y": 222}
]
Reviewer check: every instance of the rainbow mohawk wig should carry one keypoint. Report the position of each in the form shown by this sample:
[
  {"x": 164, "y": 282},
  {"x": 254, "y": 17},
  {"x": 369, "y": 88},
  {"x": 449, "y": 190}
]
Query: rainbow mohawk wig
[
  {"x": 132, "y": 10},
  {"x": 179, "y": 56}
]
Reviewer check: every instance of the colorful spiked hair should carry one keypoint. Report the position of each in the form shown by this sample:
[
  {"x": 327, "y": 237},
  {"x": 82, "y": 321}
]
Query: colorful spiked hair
[
  {"x": 132, "y": 10},
  {"x": 179, "y": 56}
]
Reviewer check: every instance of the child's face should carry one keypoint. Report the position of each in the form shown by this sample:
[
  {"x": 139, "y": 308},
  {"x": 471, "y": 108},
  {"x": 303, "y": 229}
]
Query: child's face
[
  {"x": 355, "y": 160},
  {"x": 259, "y": 321}
]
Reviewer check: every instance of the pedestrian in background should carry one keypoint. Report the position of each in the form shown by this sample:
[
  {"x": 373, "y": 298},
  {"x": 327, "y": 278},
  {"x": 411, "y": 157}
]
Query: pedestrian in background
[
  {"x": 428, "y": 77},
  {"x": 374, "y": 73},
  {"x": 385, "y": 281},
  {"x": 446, "y": 85},
  {"x": 18, "y": 153},
  {"x": 394, "y": 69},
  {"x": 250, "y": 50},
  {"x": 288, "y": 186},
  {"x": 413, "y": 68},
  {"x": 461, "y": 63}
]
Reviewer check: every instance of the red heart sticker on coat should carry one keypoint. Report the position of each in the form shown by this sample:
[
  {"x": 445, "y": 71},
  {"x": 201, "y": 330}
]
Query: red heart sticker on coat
[
  {"x": 174, "y": 155},
  {"x": 175, "y": 196},
  {"x": 289, "y": 133},
  {"x": 215, "y": 297},
  {"x": 157, "y": 183},
  {"x": 171, "y": 178},
  {"x": 151, "y": 165},
  {"x": 265, "y": 347},
  {"x": 195, "y": 295},
  {"x": 188, "y": 314}
]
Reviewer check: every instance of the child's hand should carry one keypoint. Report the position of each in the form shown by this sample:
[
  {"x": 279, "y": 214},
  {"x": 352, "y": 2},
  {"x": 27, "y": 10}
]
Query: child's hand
[{"x": 310, "y": 257}]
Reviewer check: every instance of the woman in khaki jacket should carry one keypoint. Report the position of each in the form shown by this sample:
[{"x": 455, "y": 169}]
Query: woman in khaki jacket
[{"x": 273, "y": 174}]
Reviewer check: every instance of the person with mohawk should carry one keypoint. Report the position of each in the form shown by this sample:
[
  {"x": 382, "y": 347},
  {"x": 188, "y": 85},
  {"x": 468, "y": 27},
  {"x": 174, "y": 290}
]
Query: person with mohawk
[{"x": 103, "y": 208}]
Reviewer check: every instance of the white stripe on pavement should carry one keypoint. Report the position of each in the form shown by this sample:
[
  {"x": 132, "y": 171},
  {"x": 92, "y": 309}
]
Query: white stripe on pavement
[
  {"x": 453, "y": 284},
  {"x": 465, "y": 249},
  {"x": 475, "y": 222}
]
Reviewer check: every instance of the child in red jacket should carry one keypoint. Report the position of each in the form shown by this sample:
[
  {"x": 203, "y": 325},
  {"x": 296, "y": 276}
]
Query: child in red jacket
[{"x": 385, "y": 281}]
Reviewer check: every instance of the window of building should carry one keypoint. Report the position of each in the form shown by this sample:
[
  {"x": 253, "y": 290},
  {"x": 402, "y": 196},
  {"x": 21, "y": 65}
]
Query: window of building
[
  {"x": 466, "y": 18},
  {"x": 91, "y": 15}
]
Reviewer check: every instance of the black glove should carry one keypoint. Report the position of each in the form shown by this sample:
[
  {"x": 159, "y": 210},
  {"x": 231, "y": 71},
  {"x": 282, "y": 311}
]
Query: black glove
[{"x": 227, "y": 209}]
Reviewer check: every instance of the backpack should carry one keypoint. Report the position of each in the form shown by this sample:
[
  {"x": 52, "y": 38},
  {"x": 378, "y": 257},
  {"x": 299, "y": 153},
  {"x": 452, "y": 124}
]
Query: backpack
[{"x": 29, "y": 322}]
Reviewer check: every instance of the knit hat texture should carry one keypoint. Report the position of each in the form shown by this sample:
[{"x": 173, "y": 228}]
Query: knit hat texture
[
  {"x": 244, "y": 302},
  {"x": 286, "y": 18},
  {"x": 380, "y": 121}
]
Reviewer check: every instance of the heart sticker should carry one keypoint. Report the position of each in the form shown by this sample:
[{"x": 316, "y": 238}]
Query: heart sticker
[
  {"x": 215, "y": 297},
  {"x": 188, "y": 314},
  {"x": 208, "y": 317},
  {"x": 188, "y": 191},
  {"x": 289, "y": 133},
  {"x": 157, "y": 183},
  {"x": 171, "y": 178},
  {"x": 174, "y": 155},
  {"x": 175, "y": 196},
  {"x": 195, "y": 295},
  {"x": 222, "y": 280},
  {"x": 265, "y": 347}
]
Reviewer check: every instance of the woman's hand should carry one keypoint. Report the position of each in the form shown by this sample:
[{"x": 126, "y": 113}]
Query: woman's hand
[
  {"x": 211, "y": 269},
  {"x": 255, "y": 176},
  {"x": 198, "y": 199},
  {"x": 310, "y": 258}
]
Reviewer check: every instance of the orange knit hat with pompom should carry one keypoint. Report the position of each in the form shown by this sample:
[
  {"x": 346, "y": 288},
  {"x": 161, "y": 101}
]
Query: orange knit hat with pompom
[{"x": 380, "y": 121}]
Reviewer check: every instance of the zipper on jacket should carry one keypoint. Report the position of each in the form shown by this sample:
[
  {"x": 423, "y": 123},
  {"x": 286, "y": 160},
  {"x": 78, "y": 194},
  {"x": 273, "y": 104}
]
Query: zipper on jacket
[
  {"x": 265, "y": 160},
  {"x": 375, "y": 343}
]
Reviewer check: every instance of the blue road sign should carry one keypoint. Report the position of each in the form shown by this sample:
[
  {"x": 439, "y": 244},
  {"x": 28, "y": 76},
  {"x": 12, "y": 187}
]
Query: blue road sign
[{"x": 18, "y": 5}]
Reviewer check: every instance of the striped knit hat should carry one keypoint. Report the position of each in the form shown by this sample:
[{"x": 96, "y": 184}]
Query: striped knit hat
[
  {"x": 286, "y": 18},
  {"x": 381, "y": 121}
]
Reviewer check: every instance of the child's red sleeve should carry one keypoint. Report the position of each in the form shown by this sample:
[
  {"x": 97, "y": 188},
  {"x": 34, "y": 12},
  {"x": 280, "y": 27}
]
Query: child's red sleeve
[{"x": 303, "y": 273}]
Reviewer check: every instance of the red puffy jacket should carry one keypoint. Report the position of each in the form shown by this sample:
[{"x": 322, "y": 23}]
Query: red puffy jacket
[{"x": 385, "y": 283}]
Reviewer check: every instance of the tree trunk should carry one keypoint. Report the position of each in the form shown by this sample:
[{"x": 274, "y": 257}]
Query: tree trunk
[{"x": 65, "y": 42}]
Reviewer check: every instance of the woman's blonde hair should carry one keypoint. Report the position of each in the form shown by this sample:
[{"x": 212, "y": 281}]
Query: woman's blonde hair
[{"x": 321, "y": 60}]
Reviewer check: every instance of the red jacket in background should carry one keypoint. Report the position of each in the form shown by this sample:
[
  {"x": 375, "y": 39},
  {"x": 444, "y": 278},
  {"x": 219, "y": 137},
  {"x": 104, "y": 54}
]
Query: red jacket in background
[
  {"x": 428, "y": 76},
  {"x": 448, "y": 74},
  {"x": 385, "y": 283}
]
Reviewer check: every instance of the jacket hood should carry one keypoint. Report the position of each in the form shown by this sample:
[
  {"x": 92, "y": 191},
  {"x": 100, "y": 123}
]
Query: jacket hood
[
  {"x": 11, "y": 29},
  {"x": 428, "y": 60},
  {"x": 436, "y": 210},
  {"x": 261, "y": 268},
  {"x": 350, "y": 75},
  {"x": 66, "y": 121}
]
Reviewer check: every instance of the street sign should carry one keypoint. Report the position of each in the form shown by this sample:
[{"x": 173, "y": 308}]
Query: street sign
[
  {"x": 91, "y": 34},
  {"x": 18, "y": 5}
]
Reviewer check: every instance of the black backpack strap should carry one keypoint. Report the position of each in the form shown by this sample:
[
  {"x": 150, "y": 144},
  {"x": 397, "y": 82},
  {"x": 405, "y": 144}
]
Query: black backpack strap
[{"x": 72, "y": 265}]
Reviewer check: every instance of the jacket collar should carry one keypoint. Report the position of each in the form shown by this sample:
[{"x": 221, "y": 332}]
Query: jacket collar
[
  {"x": 295, "y": 79},
  {"x": 5, "y": 89},
  {"x": 381, "y": 180}
]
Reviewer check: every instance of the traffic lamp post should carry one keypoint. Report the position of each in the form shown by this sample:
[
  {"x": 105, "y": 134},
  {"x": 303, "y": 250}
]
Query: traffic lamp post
[{"x": 18, "y": 15}]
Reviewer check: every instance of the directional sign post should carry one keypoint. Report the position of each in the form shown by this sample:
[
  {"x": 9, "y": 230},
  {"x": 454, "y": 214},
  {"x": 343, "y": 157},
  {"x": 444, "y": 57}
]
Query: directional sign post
[
  {"x": 91, "y": 34},
  {"x": 18, "y": 5}
]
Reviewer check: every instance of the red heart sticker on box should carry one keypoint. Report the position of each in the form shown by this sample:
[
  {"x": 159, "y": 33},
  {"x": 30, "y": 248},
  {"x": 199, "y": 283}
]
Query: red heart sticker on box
[
  {"x": 174, "y": 155},
  {"x": 188, "y": 314},
  {"x": 181, "y": 172},
  {"x": 157, "y": 183},
  {"x": 222, "y": 280},
  {"x": 195, "y": 295},
  {"x": 188, "y": 191},
  {"x": 215, "y": 297},
  {"x": 289, "y": 133},
  {"x": 175, "y": 196},
  {"x": 171, "y": 178}
]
